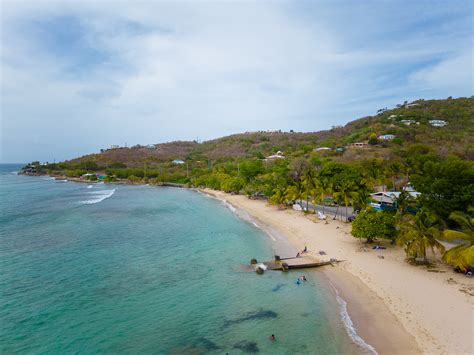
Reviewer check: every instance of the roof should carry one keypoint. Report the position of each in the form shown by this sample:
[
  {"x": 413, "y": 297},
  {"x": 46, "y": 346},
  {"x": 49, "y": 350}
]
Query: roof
[{"x": 391, "y": 196}]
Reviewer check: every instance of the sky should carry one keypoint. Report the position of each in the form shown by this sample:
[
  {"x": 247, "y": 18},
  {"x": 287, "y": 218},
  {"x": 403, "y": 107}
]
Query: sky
[{"x": 76, "y": 77}]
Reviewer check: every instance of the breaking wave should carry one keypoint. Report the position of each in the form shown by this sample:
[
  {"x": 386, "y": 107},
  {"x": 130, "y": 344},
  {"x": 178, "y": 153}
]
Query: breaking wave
[
  {"x": 99, "y": 196},
  {"x": 346, "y": 319}
]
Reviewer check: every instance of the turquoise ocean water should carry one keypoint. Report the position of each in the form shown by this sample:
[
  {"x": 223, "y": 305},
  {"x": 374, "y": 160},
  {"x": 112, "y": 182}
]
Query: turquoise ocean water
[{"x": 137, "y": 269}]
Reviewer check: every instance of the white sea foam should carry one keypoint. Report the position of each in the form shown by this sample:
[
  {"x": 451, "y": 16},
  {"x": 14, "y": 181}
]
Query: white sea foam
[
  {"x": 346, "y": 319},
  {"x": 90, "y": 187},
  {"x": 228, "y": 205},
  {"x": 98, "y": 196}
]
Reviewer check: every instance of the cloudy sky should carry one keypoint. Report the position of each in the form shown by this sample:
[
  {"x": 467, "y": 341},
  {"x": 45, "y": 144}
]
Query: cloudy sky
[{"x": 75, "y": 78}]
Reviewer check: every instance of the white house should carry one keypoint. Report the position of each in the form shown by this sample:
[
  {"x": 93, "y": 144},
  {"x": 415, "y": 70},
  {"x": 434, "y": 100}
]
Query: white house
[
  {"x": 322, "y": 149},
  {"x": 278, "y": 155},
  {"x": 178, "y": 162},
  {"x": 409, "y": 122},
  {"x": 438, "y": 123},
  {"x": 387, "y": 137},
  {"x": 391, "y": 117},
  {"x": 151, "y": 146}
]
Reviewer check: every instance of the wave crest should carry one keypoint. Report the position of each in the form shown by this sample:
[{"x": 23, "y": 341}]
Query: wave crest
[{"x": 99, "y": 196}]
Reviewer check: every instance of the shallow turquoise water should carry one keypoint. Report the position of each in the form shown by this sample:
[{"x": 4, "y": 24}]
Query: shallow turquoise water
[{"x": 139, "y": 269}]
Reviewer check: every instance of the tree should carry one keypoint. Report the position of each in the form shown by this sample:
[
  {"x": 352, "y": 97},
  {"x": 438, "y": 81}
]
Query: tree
[
  {"x": 445, "y": 186},
  {"x": 420, "y": 232},
  {"x": 373, "y": 139},
  {"x": 308, "y": 183},
  {"x": 360, "y": 199},
  {"x": 371, "y": 224},
  {"x": 279, "y": 196},
  {"x": 461, "y": 255}
]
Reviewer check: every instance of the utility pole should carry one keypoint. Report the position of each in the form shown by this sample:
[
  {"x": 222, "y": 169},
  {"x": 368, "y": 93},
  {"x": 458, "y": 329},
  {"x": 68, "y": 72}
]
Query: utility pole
[{"x": 187, "y": 170}]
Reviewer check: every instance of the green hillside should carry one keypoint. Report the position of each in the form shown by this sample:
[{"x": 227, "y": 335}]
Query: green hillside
[
  {"x": 387, "y": 151},
  {"x": 457, "y": 137}
]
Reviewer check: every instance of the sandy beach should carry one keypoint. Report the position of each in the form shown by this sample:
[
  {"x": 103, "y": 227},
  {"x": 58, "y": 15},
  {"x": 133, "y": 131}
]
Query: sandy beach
[{"x": 395, "y": 307}]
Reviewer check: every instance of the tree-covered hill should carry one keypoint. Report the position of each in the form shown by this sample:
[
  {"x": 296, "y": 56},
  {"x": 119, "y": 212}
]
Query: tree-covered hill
[
  {"x": 457, "y": 137},
  {"x": 427, "y": 145}
]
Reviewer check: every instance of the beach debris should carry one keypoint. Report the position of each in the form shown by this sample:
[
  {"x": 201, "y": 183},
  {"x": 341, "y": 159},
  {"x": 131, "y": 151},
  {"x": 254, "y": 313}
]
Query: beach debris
[
  {"x": 252, "y": 316},
  {"x": 380, "y": 257},
  {"x": 247, "y": 346},
  {"x": 322, "y": 252},
  {"x": 451, "y": 281}
]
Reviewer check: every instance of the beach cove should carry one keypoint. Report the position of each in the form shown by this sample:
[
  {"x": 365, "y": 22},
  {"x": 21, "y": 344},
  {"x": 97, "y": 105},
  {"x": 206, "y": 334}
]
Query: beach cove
[
  {"x": 395, "y": 307},
  {"x": 114, "y": 268}
]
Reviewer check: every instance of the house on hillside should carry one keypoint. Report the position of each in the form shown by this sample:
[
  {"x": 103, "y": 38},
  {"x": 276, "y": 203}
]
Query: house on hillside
[
  {"x": 386, "y": 137},
  {"x": 409, "y": 122},
  {"x": 360, "y": 145},
  {"x": 278, "y": 155},
  {"x": 151, "y": 146},
  {"x": 411, "y": 105},
  {"x": 177, "y": 162},
  {"x": 391, "y": 117},
  {"x": 320, "y": 149},
  {"x": 114, "y": 146},
  {"x": 438, "y": 123}
]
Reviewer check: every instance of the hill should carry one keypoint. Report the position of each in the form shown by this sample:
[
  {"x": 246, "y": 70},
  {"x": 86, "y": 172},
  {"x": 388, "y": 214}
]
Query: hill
[{"x": 409, "y": 123}]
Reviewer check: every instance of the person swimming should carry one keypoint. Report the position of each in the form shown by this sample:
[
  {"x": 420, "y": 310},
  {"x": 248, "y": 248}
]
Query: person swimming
[{"x": 272, "y": 337}]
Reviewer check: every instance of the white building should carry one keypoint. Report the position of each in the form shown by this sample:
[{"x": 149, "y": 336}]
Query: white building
[
  {"x": 322, "y": 149},
  {"x": 438, "y": 123},
  {"x": 278, "y": 155},
  {"x": 409, "y": 122}
]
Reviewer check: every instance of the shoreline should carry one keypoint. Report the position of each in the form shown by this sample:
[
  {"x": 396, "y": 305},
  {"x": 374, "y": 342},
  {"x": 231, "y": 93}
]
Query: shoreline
[
  {"x": 411, "y": 311},
  {"x": 395, "y": 307}
]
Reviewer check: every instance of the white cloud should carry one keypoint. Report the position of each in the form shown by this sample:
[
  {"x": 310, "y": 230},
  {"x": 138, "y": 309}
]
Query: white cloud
[
  {"x": 180, "y": 70},
  {"x": 453, "y": 75}
]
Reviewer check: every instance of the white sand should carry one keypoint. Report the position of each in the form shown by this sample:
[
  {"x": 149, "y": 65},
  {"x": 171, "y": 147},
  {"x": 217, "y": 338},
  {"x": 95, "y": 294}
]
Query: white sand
[{"x": 416, "y": 303}]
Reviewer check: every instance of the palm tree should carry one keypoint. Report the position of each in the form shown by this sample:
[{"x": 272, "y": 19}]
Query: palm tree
[
  {"x": 317, "y": 194},
  {"x": 309, "y": 184},
  {"x": 420, "y": 232},
  {"x": 295, "y": 192},
  {"x": 461, "y": 255},
  {"x": 280, "y": 196}
]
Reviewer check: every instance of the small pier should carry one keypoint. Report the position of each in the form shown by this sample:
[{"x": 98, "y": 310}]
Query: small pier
[{"x": 303, "y": 262}]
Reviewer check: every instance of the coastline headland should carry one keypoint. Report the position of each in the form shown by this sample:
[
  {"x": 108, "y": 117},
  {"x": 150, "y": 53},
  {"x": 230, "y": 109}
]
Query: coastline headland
[{"x": 395, "y": 307}]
